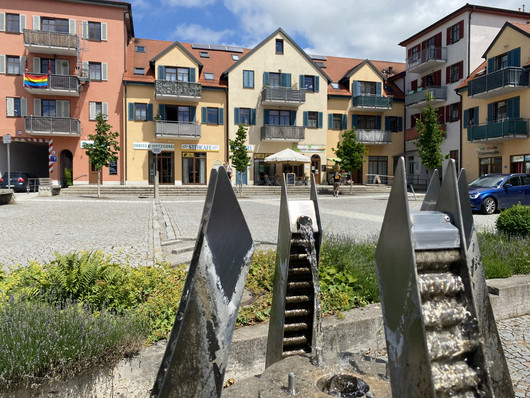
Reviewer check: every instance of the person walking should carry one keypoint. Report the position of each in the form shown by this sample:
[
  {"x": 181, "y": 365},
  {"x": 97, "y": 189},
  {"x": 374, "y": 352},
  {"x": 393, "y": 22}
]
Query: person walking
[{"x": 336, "y": 184}]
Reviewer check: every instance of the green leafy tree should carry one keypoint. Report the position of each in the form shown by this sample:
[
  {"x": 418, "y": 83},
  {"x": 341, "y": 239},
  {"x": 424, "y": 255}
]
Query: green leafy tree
[
  {"x": 430, "y": 137},
  {"x": 239, "y": 157},
  {"x": 104, "y": 148},
  {"x": 350, "y": 152}
]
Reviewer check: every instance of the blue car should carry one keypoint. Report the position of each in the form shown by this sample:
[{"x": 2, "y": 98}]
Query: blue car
[{"x": 492, "y": 192}]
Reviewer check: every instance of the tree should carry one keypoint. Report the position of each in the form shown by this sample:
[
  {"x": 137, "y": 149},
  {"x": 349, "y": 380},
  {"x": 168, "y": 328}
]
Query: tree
[
  {"x": 350, "y": 152},
  {"x": 104, "y": 148},
  {"x": 239, "y": 157},
  {"x": 430, "y": 137}
]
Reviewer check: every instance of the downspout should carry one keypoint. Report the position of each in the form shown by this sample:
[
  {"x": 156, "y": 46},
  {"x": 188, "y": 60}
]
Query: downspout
[
  {"x": 125, "y": 137},
  {"x": 227, "y": 130},
  {"x": 460, "y": 156}
]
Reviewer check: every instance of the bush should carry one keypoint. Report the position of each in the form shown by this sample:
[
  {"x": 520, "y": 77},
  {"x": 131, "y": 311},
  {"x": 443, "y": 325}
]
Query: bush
[
  {"x": 503, "y": 255},
  {"x": 514, "y": 221}
]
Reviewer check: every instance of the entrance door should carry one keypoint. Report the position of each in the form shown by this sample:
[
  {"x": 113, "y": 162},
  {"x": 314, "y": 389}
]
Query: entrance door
[
  {"x": 315, "y": 168},
  {"x": 194, "y": 168},
  {"x": 241, "y": 177},
  {"x": 66, "y": 168},
  {"x": 165, "y": 165},
  {"x": 93, "y": 174}
]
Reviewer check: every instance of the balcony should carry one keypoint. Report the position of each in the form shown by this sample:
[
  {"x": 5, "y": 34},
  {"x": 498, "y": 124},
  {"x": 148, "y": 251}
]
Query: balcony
[
  {"x": 501, "y": 82},
  {"x": 427, "y": 59},
  {"x": 178, "y": 91},
  {"x": 177, "y": 130},
  {"x": 373, "y": 137},
  {"x": 371, "y": 103},
  {"x": 418, "y": 98},
  {"x": 503, "y": 130},
  {"x": 282, "y": 133},
  {"x": 68, "y": 86},
  {"x": 38, "y": 41},
  {"x": 282, "y": 96},
  {"x": 54, "y": 126}
]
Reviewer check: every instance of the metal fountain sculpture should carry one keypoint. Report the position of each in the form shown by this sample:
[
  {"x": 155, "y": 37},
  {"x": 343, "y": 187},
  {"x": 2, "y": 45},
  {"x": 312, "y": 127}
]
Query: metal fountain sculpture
[{"x": 441, "y": 335}]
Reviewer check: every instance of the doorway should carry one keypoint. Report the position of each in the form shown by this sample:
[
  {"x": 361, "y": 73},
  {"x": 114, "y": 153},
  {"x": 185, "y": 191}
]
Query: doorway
[
  {"x": 315, "y": 168},
  {"x": 93, "y": 174},
  {"x": 67, "y": 170},
  {"x": 194, "y": 168},
  {"x": 164, "y": 162}
]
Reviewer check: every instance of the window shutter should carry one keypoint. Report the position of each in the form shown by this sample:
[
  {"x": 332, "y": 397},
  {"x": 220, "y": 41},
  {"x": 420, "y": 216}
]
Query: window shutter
[
  {"x": 354, "y": 88},
  {"x": 36, "y": 22},
  {"x": 513, "y": 107},
  {"x": 305, "y": 119},
  {"x": 301, "y": 82},
  {"x": 63, "y": 108},
  {"x": 149, "y": 112},
  {"x": 461, "y": 26},
  {"x": 23, "y": 107},
  {"x": 3, "y": 25},
  {"x": 221, "y": 116},
  {"x": 491, "y": 65},
  {"x": 285, "y": 80},
  {"x": 162, "y": 111},
  {"x": 378, "y": 89},
  {"x": 253, "y": 116},
  {"x": 10, "y": 106},
  {"x": 514, "y": 57},
  {"x": 161, "y": 72},
  {"x": 461, "y": 70},
  {"x": 448, "y": 75},
  {"x": 378, "y": 123},
  {"x": 448, "y": 39},
  {"x": 265, "y": 78},
  {"x": 71, "y": 27},
  {"x": 438, "y": 78},
  {"x": 91, "y": 110},
  {"x": 466, "y": 118},
  {"x": 317, "y": 84},
  {"x": 320, "y": 119},
  {"x": 103, "y": 31},
  {"x": 84, "y": 29},
  {"x": 387, "y": 123},
  {"x": 192, "y": 75},
  {"x": 131, "y": 110},
  {"x": 64, "y": 67},
  {"x": 204, "y": 115},
  {"x": 105, "y": 110},
  {"x": 22, "y": 65},
  {"x": 22, "y": 23},
  {"x": 265, "y": 116},
  {"x": 354, "y": 121},
  {"x": 85, "y": 69},
  {"x": 37, "y": 110},
  {"x": 193, "y": 113},
  {"x": 476, "y": 121},
  {"x": 344, "y": 122},
  {"x": 36, "y": 65},
  {"x": 491, "y": 111},
  {"x": 448, "y": 113},
  {"x": 236, "y": 116},
  {"x": 293, "y": 118},
  {"x": 2, "y": 63},
  {"x": 104, "y": 71},
  {"x": 441, "y": 115},
  {"x": 400, "y": 123},
  {"x": 330, "y": 121}
]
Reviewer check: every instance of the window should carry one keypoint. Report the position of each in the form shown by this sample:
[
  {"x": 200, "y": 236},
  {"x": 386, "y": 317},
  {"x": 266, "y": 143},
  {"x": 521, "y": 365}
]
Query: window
[
  {"x": 274, "y": 79},
  {"x": 414, "y": 54},
  {"x": 490, "y": 165},
  {"x": 212, "y": 115},
  {"x": 48, "y": 108},
  {"x": 365, "y": 122},
  {"x": 95, "y": 70},
  {"x": 455, "y": 72},
  {"x": 393, "y": 124},
  {"x": 501, "y": 61},
  {"x": 140, "y": 111},
  {"x": 454, "y": 112},
  {"x": 248, "y": 79},
  {"x": 472, "y": 117},
  {"x": 455, "y": 33},
  {"x": 367, "y": 88},
  {"x": 13, "y": 65},
  {"x": 279, "y": 118},
  {"x": 140, "y": 49},
  {"x": 337, "y": 122},
  {"x": 183, "y": 114},
  {"x": 95, "y": 108},
  {"x": 335, "y": 85},
  {"x": 94, "y": 31},
  {"x": 208, "y": 76},
  {"x": 312, "y": 119},
  {"x": 411, "y": 165},
  {"x": 204, "y": 54},
  {"x": 47, "y": 65},
  {"x": 13, "y": 23},
  {"x": 54, "y": 25},
  {"x": 500, "y": 111},
  {"x": 235, "y": 57},
  {"x": 309, "y": 83},
  {"x": 183, "y": 74},
  {"x": 14, "y": 107},
  {"x": 279, "y": 46},
  {"x": 138, "y": 71},
  {"x": 244, "y": 116},
  {"x": 171, "y": 74}
]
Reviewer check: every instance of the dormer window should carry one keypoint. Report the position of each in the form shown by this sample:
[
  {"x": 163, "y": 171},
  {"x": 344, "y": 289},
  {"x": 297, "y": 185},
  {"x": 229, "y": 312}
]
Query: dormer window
[
  {"x": 138, "y": 71},
  {"x": 140, "y": 49},
  {"x": 208, "y": 76},
  {"x": 501, "y": 62},
  {"x": 235, "y": 57},
  {"x": 204, "y": 54}
]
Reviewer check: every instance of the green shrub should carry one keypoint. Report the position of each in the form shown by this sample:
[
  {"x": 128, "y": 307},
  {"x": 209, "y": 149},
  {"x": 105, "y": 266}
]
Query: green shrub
[
  {"x": 503, "y": 255},
  {"x": 514, "y": 221},
  {"x": 68, "y": 179}
]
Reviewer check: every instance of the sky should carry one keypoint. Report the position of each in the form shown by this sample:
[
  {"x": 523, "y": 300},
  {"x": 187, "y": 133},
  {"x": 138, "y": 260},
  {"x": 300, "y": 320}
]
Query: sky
[{"x": 343, "y": 28}]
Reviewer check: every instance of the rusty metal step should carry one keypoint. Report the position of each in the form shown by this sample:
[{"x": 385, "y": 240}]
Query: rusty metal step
[
  {"x": 298, "y": 285},
  {"x": 297, "y": 299},
  {"x": 295, "y": 340},
  {"x": 296, "y": 313},
  {"x": 286, "y": 354},
  {"x": 294, "y": 327}
]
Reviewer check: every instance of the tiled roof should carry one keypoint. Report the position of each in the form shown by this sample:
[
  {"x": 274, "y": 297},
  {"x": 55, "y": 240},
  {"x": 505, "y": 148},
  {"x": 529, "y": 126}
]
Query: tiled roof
[
  {"x": 473, "y": 74},
  {"x": 141, "y": 60}
]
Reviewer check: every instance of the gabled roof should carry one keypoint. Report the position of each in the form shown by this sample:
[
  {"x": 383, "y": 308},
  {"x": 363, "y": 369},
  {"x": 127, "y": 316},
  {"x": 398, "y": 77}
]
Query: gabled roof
[
  {"x": 466, "y": 8},
  {"x": 523, "y": 28},
  {"x": 365, "y": 62},
  {"x": 171, "y": 47},
  {"x": 279, "y": 30}
]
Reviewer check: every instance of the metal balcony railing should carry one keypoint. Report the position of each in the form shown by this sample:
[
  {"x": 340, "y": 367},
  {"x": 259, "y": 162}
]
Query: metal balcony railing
[
  {"x": 282, "y": 133},
  {"x": 420, "y": 95},
  {"x": 371, "y": 137},
  {"x": 60, "y": 126},
  {"x": 38, "y": 38},
  {"x": 426, "y": 57},
  {"x": 178, "y": 90},
  {"x": 57, "y": 84},
  {"x": 372, "y": 101},
  {"x": 178, "y": 130},
  {"x": 508, "y": 77},
  {"x": 498, "y": 130},
  {"x": 282, "y": 95}
]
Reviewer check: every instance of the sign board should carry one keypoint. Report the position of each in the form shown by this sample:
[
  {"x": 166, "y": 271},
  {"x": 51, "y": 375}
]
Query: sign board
[
  {"x": 53, "y": 158},
  {"x": 6, "y": 139},
  {"x": 291, "y": 178},
  {"x": 113, "y": 168},
  {"x": 199, "y": 147},
  {"x": 149, "y": 145},
  {"x": 156, "y": 150}
]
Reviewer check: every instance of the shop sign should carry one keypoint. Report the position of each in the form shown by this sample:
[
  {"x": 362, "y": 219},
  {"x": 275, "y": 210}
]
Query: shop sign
[
  {"x": 250, "y": 148},
  {"x": 200, "y": 147},
  {"x": 309, "y": 148},
  {"x": 489, "y": 150},
  {"x": 85, "y": 143},
  {"x": 149, "y": 146}
]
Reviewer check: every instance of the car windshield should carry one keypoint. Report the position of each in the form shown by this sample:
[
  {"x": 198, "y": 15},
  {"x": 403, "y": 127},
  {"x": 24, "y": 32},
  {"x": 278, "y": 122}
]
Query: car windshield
[{"x": 487, "y": 182}]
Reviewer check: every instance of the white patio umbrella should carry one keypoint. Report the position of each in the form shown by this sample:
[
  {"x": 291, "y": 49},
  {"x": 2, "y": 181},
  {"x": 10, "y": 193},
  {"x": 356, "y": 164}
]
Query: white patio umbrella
[{"x": 287, "y": 156}]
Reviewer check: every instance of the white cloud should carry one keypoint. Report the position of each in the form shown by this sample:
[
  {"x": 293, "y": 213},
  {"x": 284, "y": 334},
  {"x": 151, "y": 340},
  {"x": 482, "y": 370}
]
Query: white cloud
[
  {"x": 188, "y": 3},
  {"x": 199, "y": 34}
]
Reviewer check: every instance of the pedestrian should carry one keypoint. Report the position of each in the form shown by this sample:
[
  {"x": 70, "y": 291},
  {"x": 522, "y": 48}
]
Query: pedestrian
[
  {"x": 336, "y": 184},
  {"x": 229, "y": 170}
]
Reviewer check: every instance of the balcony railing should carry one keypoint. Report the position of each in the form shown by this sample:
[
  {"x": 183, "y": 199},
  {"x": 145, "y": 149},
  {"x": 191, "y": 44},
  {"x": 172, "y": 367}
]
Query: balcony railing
[
  {"x": 426, "y": 59},
  {"x": 282, "y": 96},
  {"x": 373, "y": 137},
  {"x": 56, "y": 126},
  {"x": 498, "y": 82},
  {"x": 501, "y": 130},
  {"x": 177, "y": 130},
  {"x": 372, "y": 102},
  {"x": 282, "y": 133},
  {"x": 417, "y": 98},
  {"x": 57, "y": 85},
  {"x": 178, "y": 91},
  {"x": 38, "y": 41}
]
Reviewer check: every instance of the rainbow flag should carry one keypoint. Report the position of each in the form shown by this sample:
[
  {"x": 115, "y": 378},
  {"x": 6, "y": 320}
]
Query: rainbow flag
[{"x": 35, "y": 81}]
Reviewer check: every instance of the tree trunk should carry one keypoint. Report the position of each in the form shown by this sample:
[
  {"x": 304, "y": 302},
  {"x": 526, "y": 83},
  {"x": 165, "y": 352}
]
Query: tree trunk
[{"x": 99, "y": 180}]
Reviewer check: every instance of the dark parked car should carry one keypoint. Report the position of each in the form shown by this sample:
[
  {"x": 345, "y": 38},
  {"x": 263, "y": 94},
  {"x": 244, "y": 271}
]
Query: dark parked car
[
  {"x": 492, "y": 192},
  {"x": 20, "y": 181}
]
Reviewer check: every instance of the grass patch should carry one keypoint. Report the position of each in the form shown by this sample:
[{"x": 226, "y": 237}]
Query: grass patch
[{"x": 504, "y": 255}]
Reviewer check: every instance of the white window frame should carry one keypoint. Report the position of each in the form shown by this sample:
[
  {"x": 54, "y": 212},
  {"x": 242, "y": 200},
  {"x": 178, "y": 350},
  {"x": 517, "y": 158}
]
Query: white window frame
[{"x": 92, "y": 106}]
